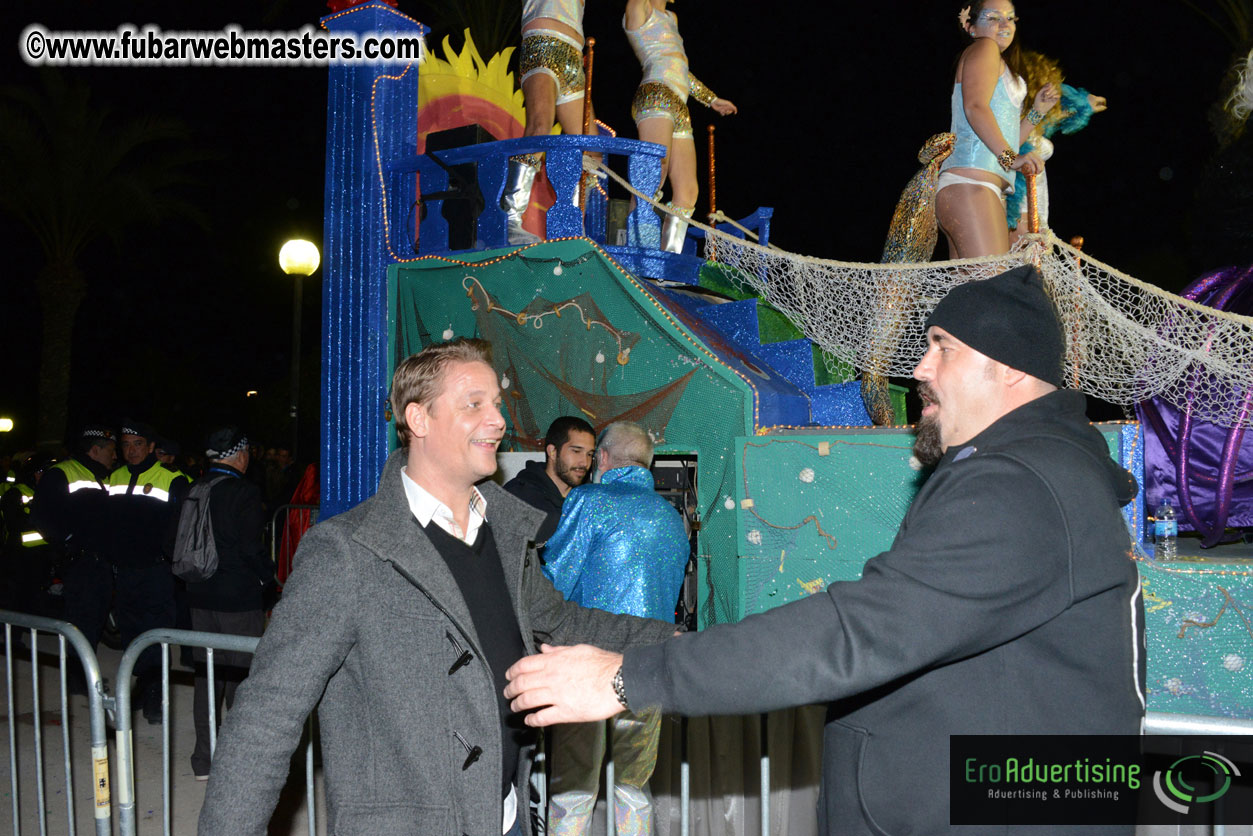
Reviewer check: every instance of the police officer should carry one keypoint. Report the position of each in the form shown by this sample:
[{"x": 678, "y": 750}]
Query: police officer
[
  {"x": 27, "y": 562},
  {"x": 69, "y": 511},
  {"x": 142, "y": 503}
]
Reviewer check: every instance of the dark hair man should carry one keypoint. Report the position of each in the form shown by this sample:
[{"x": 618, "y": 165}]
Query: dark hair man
[
  {"x": 398, "y": 622},
  {"x": 1008, "y": 603},
  {"x": 568, "y": 448}
]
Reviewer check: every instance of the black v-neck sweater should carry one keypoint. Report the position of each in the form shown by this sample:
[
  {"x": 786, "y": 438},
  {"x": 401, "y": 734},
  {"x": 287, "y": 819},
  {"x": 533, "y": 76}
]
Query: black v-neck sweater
[{"x": 481, "y": 579}]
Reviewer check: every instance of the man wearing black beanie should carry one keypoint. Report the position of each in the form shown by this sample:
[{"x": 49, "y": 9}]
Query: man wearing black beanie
[
  {"x": 1008, "y": 603},
  {"x": 992, "y": 346}
]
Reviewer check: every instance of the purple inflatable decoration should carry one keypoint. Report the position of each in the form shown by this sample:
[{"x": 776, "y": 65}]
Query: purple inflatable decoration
[{"x": 1204, "y": 469}]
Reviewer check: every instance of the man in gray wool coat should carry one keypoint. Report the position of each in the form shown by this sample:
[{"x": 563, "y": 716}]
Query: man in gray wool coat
[{"x": 401, "y": 617}]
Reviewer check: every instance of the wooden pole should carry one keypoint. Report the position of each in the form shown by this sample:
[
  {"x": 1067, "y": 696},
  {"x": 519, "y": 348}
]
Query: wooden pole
[
  {"x": 1077, "y": 243},
  {"x": 1033, "y": 205},
  {"x": 587, "y": 115},
  {"x": 713, "y": 193}
]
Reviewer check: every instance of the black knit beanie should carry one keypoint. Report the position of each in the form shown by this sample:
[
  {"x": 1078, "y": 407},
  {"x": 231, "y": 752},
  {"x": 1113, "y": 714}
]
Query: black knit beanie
[{"x": 1008, "y": 318}]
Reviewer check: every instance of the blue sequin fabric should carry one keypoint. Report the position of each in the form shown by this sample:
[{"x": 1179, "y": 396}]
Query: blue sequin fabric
[{"x": 619, "y": 547}]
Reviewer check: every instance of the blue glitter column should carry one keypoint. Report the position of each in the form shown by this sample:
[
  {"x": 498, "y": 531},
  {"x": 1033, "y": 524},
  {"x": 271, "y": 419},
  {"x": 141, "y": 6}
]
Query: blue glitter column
[{"x": 363, "y": 101}]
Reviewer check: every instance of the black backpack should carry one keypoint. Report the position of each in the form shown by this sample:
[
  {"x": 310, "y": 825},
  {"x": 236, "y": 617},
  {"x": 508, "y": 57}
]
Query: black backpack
[{"x": 195, "y": 554}]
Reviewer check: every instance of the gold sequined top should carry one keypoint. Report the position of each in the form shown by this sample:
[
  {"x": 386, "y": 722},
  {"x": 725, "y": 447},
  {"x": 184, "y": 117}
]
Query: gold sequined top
[
  {"x": 569, "y": 12},
  {"x": 659, "y": 48}
]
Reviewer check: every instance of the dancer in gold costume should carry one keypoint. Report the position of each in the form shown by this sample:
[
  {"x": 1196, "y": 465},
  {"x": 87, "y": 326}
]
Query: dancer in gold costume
[
  {"x": 660, "y": 106},
  {"x": 553, "y": 84}
]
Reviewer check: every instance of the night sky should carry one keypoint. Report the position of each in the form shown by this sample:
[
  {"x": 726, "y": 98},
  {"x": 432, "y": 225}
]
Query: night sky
[{"x": 834, "y": 103}]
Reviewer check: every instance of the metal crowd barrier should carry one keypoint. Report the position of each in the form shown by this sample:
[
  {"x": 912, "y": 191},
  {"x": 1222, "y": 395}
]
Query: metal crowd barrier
[
  {"x": 125, "y": 746},
  {"x": 1155, "y": 723},
  {"x": 68, "y": 636},
  {"x": 274, "y": 528}
]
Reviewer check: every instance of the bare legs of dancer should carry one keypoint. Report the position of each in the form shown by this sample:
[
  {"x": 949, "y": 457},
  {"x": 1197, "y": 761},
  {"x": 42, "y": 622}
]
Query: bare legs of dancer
[
  {"x": 973, "y": 220},
  {"x": 679, "y": 167},
  {"x": 540, "y": 92}
]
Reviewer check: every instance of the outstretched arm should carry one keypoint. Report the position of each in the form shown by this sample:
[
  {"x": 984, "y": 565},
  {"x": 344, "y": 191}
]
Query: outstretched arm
[
  {"x": 705, "y": 96},
  {"x": 960, "y": 587}
]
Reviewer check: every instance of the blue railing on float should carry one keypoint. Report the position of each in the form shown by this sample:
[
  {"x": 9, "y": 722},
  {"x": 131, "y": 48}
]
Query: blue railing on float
[{"x": 564, "y": 167}]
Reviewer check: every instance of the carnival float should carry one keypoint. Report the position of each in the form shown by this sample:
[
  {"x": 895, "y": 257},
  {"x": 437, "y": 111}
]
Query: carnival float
[{"x": 757, "y": 370}]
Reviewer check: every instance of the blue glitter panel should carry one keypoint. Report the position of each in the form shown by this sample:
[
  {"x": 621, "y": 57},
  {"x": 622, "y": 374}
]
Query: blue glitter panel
[
  {"x": 794, "y": 359},
  {"x": 737, "y": 320},
  {"x": 840, "y": 405}
]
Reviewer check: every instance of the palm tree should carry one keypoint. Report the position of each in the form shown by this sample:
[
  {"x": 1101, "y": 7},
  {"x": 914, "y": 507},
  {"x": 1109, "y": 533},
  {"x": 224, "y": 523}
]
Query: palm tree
[
  {"x": 73, "y": 174},
  {"x": 1232, "y": 20}
]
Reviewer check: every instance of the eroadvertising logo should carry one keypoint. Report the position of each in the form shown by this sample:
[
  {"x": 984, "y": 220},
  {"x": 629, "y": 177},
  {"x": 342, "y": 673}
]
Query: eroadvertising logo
[
  {"x": 1174, "y": 781},
  {"x": 1099, "y": 779}
]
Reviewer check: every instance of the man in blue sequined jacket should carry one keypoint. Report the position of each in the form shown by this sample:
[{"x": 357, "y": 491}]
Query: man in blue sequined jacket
[{"x": 619, "y": 547}]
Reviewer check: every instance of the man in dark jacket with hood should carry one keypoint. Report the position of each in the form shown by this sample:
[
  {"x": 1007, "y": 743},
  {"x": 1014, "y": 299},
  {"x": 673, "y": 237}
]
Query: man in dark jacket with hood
[
  {"x": 1008, "y": 604},
  {"x": 568, "y": 448},
  {"x": 230, "y": 600}
]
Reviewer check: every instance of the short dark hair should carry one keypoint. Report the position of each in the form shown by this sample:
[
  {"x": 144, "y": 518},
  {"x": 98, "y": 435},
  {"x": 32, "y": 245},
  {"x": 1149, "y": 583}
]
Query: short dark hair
[
  {"x": 420, "y": 377},
  {"x": 559, "y": 431}
]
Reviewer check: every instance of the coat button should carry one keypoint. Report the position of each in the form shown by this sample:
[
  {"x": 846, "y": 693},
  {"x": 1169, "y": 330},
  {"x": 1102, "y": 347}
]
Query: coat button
[{"x": 462, "y": 661}]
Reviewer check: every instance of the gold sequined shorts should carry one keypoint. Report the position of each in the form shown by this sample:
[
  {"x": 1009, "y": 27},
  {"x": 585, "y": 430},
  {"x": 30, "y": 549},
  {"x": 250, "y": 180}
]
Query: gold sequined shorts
[
  {"x": 653, "y": 99},
  {"x": 553, "y": 54}
]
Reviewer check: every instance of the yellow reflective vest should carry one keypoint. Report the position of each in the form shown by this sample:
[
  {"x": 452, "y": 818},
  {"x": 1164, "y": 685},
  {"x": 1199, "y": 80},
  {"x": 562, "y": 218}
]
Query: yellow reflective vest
[
  {"x": 31, "y": 538},
  {"x": 154, "y": 483}
]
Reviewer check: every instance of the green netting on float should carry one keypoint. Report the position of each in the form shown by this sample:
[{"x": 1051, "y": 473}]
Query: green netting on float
[{"x": 574, "y": 334}]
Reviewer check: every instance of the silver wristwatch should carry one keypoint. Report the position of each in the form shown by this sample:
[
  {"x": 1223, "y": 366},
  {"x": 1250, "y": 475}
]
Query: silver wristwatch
[{"x": 619, "y": 689}]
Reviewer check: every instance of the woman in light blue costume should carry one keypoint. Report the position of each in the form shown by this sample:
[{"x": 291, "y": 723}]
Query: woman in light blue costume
[{"x": 988, "y": 93}]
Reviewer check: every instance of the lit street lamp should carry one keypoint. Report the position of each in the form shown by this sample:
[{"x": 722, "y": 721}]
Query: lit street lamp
[{"x": 297, "y": 258}]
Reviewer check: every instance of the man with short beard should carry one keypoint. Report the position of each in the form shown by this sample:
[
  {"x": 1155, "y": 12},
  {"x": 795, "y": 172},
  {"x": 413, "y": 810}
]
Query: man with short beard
[
  {"x": 1008, "y": 603},
  {"x": 568, "y": 447}
]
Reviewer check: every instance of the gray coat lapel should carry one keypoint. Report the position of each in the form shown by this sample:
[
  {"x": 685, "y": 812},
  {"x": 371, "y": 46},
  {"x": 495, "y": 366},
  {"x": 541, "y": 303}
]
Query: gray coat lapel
[
  {"x": 391, "y": 532},
  {"x": 514, "y": 525}
]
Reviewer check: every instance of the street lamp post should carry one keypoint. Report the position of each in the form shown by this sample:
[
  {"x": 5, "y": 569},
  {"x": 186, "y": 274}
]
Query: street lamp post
[{"x": 297, "y": 258}]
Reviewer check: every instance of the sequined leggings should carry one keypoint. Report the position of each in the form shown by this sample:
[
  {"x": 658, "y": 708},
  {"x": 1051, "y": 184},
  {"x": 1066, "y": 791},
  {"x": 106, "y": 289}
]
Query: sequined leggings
[
  {"x": 653, "y": 99},
  {"x": 578, "y": 752}
]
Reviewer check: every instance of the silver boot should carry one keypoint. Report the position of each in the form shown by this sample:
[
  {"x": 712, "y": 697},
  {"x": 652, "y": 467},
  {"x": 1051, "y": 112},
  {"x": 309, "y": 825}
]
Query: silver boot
[
  {"x": 516, "y": 198},
  {"x": 674, "y": 231}
]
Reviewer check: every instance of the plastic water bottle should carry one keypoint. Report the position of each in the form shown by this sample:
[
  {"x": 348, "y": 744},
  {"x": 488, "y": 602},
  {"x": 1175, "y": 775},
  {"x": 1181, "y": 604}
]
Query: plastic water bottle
[{"x": 1165, "y": 531}]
